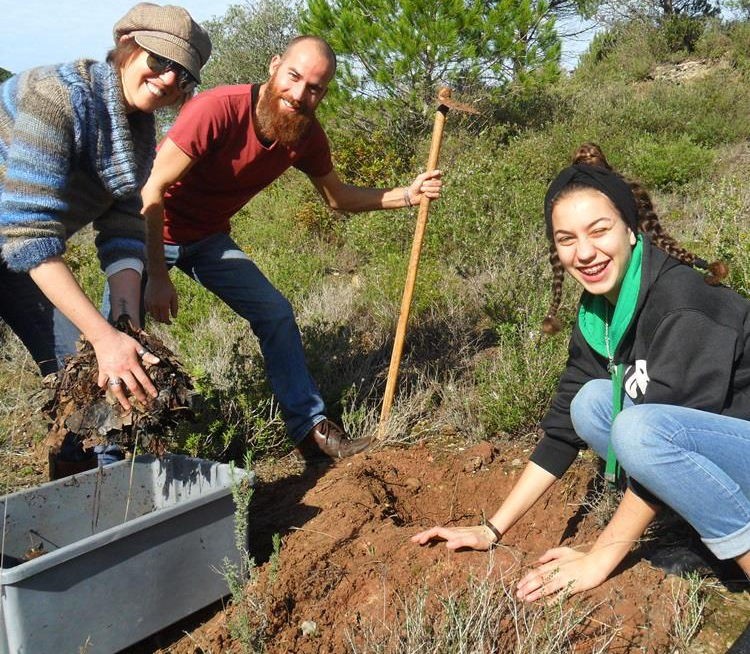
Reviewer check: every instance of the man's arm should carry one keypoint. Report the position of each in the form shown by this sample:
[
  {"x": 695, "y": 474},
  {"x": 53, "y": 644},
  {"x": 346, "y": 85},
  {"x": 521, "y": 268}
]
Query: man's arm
[
  {"x": 170, "y": 165},
  {"x": 347, "y": 197}
]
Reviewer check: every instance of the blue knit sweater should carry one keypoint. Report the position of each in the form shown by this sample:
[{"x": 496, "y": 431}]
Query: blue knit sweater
[{"x": 70, "y": 156}]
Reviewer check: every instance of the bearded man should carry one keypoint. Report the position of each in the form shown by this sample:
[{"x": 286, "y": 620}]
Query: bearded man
[{"x": 226, "y": 145}]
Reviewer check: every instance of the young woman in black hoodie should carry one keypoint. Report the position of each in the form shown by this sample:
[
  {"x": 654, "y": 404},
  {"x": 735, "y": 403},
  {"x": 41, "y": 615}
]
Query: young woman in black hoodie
[{"x": 657, "y": 380}]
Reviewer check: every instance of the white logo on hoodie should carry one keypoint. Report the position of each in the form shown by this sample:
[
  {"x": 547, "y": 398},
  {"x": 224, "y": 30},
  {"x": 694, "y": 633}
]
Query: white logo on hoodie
[{"x": 636, "y": 379}]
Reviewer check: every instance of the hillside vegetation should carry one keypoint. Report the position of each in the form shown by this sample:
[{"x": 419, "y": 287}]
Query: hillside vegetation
[
  {"x": 476, "y": 365},
  {"x": 475, "y": 362}
]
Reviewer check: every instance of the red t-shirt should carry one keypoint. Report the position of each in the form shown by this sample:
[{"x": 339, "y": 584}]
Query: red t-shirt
[{"x": 215, "y": 129}]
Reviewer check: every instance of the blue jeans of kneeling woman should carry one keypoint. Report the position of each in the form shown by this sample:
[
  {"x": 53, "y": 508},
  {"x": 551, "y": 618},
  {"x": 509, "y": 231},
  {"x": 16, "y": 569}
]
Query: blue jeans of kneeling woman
[{"x": 696, "y": 462}]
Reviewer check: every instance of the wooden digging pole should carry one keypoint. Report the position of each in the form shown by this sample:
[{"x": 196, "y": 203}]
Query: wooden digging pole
[{"x": 444, "y": 104}]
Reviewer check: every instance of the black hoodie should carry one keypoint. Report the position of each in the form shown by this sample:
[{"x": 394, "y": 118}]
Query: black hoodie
[{"x": 688, "y": 344}]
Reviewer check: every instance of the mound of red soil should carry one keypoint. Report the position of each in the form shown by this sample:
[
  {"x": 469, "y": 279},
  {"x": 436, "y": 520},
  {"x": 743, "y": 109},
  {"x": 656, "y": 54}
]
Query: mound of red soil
[{"x": 346, "y": 563}]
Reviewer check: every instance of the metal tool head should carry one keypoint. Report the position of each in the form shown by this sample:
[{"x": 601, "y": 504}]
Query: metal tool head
[{"x": 445, "y": 100}]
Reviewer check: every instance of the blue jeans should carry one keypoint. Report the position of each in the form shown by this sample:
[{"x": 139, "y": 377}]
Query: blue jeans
[
  {"x": 696, "y": 462},
  {"x": 47, "y": 334},
  {"x": 219, "y": 264}
]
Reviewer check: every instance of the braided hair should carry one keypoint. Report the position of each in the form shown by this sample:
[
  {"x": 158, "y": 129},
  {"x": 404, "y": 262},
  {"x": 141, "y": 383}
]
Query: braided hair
[{"x": 648, "y": 222}]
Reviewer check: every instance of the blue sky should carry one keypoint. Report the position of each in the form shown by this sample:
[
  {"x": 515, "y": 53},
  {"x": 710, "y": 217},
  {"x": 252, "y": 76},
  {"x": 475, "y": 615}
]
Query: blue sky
[{"x": 39, "y": 32}]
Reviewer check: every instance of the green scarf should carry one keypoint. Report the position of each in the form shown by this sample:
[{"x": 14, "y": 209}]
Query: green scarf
[{"x": 604, "y": 332}]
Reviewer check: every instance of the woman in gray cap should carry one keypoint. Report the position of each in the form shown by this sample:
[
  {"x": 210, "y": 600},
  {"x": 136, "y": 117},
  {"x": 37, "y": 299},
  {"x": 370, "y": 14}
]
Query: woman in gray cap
[{"x": 77, "y": 142}]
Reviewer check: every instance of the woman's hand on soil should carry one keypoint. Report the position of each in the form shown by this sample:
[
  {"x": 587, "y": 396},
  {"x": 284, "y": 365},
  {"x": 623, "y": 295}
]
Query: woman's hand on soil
[
  {"x": 561, "y": 569},
  {"x": 476, "y": 538},
  {"x": 120, "y": 367}
]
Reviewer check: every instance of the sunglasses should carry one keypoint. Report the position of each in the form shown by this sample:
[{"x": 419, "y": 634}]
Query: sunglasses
[{"x": 160, "y": 65}]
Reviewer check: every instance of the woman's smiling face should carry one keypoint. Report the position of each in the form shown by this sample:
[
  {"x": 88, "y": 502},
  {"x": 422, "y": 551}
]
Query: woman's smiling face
[
  {"x": 593, "y": 242},
  {"x": 145, "y": 90}
]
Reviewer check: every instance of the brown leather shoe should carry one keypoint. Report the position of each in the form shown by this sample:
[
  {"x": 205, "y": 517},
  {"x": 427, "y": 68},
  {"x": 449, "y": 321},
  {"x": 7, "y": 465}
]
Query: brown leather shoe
[{"x": 328, "y": 441}]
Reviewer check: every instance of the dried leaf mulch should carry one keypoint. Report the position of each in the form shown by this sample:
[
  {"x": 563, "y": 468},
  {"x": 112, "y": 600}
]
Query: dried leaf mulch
[{"x": 77, "y": 406}]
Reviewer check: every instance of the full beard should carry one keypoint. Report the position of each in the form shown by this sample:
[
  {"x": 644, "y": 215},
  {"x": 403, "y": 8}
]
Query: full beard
[{"x": 276, "y": 125}]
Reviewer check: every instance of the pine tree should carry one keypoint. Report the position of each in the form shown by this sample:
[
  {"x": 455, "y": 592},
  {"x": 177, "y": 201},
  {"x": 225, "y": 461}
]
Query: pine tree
[{"x": 400, "y": 51}]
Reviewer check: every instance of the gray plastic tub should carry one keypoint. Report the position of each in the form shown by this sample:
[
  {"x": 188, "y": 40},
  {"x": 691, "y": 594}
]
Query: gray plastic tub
[{"x": 104, "y": 581}]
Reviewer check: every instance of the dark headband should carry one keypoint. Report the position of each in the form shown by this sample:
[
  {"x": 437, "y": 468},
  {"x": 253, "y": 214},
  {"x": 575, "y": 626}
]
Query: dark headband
[{"x": 601, "y": 179}]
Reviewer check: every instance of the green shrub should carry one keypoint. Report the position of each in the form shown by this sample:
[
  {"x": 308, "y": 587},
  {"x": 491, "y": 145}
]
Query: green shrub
[
  {"x": 708, "y": 110},
  {"x": 723, "y": 227},
  {"x": 369, "y": 158},
  {"x": 374, "y": 235},
  {"x": 660, "y": 163},
  {"x": 314, "y": 216},
  {"x": 712, "y": 110},
  {"x": 625, "y": 53},
  {"x": 493, "y": 199},
  {"x": 236, "y": 415},
  {"x": 517, "y": 383},
  {"x": 520, "y": 108},
  {"x": 731, "y": 42},
  {"x": 716, "y": 41},
  {"x": 681, "y": 32},
  {"x": 281, "y": 247},
  {"x": 383, "y": 285}
]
